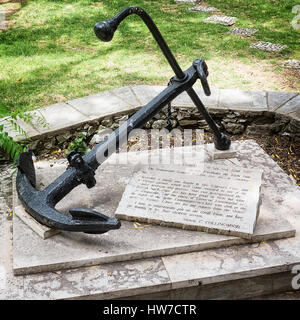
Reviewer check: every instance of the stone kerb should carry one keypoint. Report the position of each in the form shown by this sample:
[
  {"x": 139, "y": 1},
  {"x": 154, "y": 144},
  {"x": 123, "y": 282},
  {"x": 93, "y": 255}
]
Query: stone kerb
[{"x": 236, "y": 111}]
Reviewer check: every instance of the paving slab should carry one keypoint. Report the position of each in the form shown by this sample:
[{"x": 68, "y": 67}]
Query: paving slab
[
  {"x": 127, "y": 94},
  {"x": 101, "y": 105},
  {"x": 109, "y": 281},
  {"x": 242, "y": 100},
  {"x": 268, "y": 46},
  {"x": 184, "y": 100},
  {"x": 276, "y": 99},
  {"x": 59, "y": 116},
  {"x": 223, "y": 20},
  {"x": 15, "y": 134},
  {"x": 146, "y": 93},
  {"x": 246, "y": 32},
  {"x": 73, "y": 250},
  {"x": 43, "y": 231},
  {"x": 292, "y": 106},
  {"x": 291, "y": 64},
  {"x": 200, "y": 8}
]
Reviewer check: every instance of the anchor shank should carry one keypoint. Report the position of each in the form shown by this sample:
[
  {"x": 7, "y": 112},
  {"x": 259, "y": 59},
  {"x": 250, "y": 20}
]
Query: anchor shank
[
  {"x": 105, "y": 31},
  {"x": 69, "y": 180}
]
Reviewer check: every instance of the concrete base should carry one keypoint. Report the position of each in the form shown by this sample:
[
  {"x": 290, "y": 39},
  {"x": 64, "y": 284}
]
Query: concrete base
[
  {"x": 73, "y": 250},
  {"x": 43, "y": 231},
  {"x": 220, "y": 154},
  {"x": 240, "y": 271}
]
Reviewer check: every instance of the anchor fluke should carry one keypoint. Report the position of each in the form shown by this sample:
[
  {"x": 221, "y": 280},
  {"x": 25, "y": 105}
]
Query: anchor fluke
[{"x": 107, "y": 223}]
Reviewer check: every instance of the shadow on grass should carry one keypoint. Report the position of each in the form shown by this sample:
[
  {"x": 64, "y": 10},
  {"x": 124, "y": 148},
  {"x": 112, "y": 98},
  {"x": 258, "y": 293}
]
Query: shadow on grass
[{"x": 71, "y": 36}]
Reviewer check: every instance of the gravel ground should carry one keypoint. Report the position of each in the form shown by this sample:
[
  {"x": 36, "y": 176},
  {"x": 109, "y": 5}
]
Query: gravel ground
[{"x": 5, "y": 188}]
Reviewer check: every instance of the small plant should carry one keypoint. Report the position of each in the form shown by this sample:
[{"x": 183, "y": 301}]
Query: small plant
[
  {"x": 268, "y": 143},
  {"x": 79, "y": 144},
  {"x": 8, "y": 145}
]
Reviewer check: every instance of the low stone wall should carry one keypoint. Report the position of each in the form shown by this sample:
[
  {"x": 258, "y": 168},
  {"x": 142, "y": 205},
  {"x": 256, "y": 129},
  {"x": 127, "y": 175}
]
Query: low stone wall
[
  {"x": 235, "y": 111},
  {"x": 230, "y": 122}
]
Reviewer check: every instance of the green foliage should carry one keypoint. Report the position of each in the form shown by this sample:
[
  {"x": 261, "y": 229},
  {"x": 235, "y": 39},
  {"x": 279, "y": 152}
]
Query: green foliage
[
  {"x": 10, "y": 147},
  {"x": 79, "y": 144}
]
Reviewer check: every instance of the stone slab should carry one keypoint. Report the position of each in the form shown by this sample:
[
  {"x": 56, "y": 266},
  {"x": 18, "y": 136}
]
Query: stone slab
[
  {"x": 295, "y": 115},
  {"x": 276, "y": 99},
  {"x": 247, "y": 288},
  {"x": 223, "y": 20},
  {"x": 100, "y": 105},
  {"x": 246, "y": 32},
  {"x": 58, "y": 116},
  {"x": 127, "y": 94},
  {"x": 43, "y": 231},
  {"x": 200, "y": 8},
  {"x": 217, "y": 198},
  {"x": 15, "y": 134},
  {"x": 220, "y": 154},
  {"x": 2, "y": 19},
  {"x": 268, "y": 46},
  {"x": 293, "y": 105},
  {"x": 291, "y": 64},
  {"x": 243, "y": 100},
  {"x": 67, "y": 250},
  {"x": 184, "y": 100},
  {"x": 109, "y": 281},
  {"x": 146, "y": 93}
]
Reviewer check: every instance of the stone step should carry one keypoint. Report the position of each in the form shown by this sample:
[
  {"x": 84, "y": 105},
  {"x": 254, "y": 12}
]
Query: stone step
[{"x": 223, "y": 20}]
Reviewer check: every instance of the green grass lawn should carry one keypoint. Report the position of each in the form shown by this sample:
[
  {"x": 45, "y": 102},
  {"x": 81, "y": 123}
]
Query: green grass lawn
[{"x": 50, "y": 53}]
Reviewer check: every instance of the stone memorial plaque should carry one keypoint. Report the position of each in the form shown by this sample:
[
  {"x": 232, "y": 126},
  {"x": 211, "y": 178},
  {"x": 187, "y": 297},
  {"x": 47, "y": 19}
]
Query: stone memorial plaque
[{"x": 221, "y": 199}]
